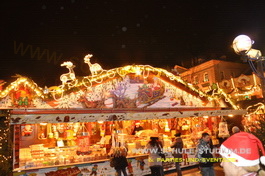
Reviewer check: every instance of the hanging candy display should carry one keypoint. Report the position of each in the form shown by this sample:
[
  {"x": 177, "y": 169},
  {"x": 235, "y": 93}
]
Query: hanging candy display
[{"x": 83, "y": 141}]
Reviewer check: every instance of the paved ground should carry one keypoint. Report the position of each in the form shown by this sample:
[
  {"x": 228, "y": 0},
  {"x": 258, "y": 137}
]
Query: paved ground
[{"x": 195, "y": 172}]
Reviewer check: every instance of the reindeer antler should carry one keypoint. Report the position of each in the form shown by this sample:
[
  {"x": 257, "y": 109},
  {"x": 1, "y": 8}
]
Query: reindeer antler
[{"x": 88, "y": 56}]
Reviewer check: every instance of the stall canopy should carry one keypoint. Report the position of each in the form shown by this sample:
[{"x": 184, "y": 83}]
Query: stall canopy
[{"x": 133, "y": 92}]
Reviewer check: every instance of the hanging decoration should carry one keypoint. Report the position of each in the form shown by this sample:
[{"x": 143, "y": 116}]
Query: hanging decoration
[
  {"x": 94, "y": 68},
  {"x": 243, "y": 81},
  {"x": 69, "y": 78},
  {"x": 225, "y": 84},
  {"x": 22, "y": 97},
  {"x": 223, "y": 130},
  {"x": 83, "y": 140}
]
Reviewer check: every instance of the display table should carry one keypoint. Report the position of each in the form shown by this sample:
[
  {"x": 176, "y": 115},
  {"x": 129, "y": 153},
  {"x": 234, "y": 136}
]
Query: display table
[{"x": 138, "y": 166}]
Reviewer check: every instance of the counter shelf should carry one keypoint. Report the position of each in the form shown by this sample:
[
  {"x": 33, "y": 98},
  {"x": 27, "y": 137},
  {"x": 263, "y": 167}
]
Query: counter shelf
[{"x": 76, "y": 163}]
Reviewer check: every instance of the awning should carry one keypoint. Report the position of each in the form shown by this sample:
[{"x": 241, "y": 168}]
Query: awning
[{"x": 33, "y": 116}]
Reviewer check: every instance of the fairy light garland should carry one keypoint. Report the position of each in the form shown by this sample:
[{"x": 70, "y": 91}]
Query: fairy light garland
[
  {"x": 27, "y": 82},
  {"x": 227, "y": 98},
  {"x": 252, "y": 118},
  {"x": 89, "y": 81},
  {"x": 5, "y": 148},
  {"x": 260, "y": 106}
]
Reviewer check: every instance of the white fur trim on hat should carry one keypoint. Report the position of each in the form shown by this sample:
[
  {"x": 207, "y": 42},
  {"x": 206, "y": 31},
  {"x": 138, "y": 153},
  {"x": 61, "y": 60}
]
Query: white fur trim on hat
[
  {"x": 236, "y": 159},
  {"x": 262, "y": 160}
]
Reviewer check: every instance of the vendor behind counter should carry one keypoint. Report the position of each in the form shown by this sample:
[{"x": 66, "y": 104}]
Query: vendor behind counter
[{"x": 137, "y": 128}]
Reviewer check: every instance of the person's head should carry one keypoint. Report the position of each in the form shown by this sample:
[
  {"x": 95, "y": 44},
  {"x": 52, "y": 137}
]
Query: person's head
[
  {"x": 235, "y": 129},
  {"x": 177, "y": 135},
  {"x": 241, "y": 154},
  {"x": 206, "y": 137},
  {"x": 152, "y": 138},
  {"x": 117, "y": 152}
]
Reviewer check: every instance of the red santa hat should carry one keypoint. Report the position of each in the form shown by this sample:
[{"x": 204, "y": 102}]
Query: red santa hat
[{"x": 243, "y": 149}]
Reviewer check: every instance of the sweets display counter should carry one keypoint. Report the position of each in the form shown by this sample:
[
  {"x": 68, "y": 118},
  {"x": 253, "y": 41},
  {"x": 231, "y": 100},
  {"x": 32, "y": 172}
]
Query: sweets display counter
[
  {"x": 46, "y": 148},
  {"x": 137, "y": 166}
]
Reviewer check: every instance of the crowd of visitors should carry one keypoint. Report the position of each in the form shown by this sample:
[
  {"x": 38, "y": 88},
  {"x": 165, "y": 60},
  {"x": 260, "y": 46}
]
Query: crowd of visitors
[{"x": 242, "y": 155}]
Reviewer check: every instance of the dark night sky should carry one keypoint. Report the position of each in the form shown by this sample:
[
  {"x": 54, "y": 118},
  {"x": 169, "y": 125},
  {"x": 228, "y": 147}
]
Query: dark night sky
[{"x": 160, "y": 33}]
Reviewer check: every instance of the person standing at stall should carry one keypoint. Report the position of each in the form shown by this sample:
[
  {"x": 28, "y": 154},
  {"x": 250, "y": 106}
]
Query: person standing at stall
[
  {"x": 204, "y": 151},
  {"x": 177, "y": 153},
  {"x": 235, "y": 130},
  {"x": 119, "y": 161},
  {"x": 154, "y": 159}
]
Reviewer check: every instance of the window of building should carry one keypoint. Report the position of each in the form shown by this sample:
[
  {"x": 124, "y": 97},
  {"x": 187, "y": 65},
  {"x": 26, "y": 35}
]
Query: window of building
[
  {"x": 206, "y": 77},
  {"x": 196, "y": 80},
  {"x": 222, "y": 75}
]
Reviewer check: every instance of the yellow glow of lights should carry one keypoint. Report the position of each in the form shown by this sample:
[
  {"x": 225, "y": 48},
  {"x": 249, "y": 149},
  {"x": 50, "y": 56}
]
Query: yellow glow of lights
[
  {"x": 100, "y": 121},
  {"x": 89, "y": 81},
  {"x": 43, "y": 124},
  {"x": 22, "y": 80},
  {"x": 138, "y": 71},
  {"x": 227, "y": 98},
  {"x": 4, "y": 135}
]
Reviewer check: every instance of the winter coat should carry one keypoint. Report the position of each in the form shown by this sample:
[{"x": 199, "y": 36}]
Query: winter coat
[
  {"x": 153, "y": 158},
  {"x": 120, "y": 162},
  {"x": 203, "y": 151},
  {"x": 178, "y": 146}
]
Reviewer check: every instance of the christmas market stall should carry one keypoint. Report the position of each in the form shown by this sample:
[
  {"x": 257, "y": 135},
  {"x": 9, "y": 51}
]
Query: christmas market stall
[
  {"x": 70, "y": 129},
  {"x": 246, "y": 91}
]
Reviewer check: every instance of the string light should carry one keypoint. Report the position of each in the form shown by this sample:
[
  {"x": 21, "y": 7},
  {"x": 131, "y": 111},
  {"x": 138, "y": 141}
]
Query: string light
[
  {"x": 90, "y": 81},
  {"x": 227, "y": 98},
  {"x": 5, "y": 143},
  {"x": 26, "y": 82}
]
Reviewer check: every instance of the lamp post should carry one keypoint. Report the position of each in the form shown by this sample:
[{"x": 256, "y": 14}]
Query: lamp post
[{"x": 242, "y": 45}]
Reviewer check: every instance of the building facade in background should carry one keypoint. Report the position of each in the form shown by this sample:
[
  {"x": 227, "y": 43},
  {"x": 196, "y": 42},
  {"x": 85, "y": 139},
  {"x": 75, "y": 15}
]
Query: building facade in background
[
  {"x": 235, "y": 81},
  {"x": 203, "y": 76}
]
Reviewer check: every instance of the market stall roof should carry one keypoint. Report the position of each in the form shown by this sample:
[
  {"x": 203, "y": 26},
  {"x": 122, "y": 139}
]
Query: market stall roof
[
  {"x": 134, "y": 76},
  {"x": 129, "y": 92}
]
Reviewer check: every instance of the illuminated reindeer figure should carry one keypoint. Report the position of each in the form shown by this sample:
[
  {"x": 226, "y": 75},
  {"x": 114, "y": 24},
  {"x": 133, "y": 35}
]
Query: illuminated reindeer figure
[
  {"x": 68, "y": 78},
  {"x": 94, "y": 68}
]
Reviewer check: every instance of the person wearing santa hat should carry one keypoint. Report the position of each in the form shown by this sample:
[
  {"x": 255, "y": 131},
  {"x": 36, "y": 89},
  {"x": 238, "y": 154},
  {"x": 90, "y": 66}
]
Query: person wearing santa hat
[{"x": 241, "y": 155}]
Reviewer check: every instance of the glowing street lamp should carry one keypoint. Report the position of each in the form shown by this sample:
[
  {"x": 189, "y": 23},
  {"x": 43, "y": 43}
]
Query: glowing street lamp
[{"x": 242, "y": 45}]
